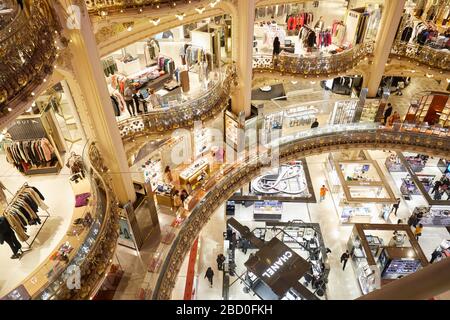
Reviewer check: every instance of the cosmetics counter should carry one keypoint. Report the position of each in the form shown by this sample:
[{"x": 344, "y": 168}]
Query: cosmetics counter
[
  {"x": 433, "y": 215},
  {"x": 360, "y": 189},
  {"x": 376, "y": 262}
]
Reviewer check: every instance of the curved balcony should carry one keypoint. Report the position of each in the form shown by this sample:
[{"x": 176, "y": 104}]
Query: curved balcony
[
  {"x": 93, "y": 247},
  {"x": 292, "y": 64},
  {"x": 28, "y": 49},
  {"x": 333, "y": 138},
  {"x": 426, "y": 55},
  {"x": 184, "y": 115}
]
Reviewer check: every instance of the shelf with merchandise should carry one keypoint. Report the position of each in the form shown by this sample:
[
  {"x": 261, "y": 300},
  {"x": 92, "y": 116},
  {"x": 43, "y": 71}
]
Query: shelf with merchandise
[
  {"x": 202, "y": 141},
  {"x": 152, "y": 172}
]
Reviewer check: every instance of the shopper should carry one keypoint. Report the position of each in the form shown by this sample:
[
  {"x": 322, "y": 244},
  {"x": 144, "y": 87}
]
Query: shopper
[
  {"x": 245, "y": 245},
  {"x": 387, "y": 112},
  {"x": 438, "y": 195},
  {"x": 323, "y": 192},
  {"x": 184, "y": 195},
  {"x": 220, "y": 260},
  {"x": 436, "y": 254},
  {"x": 189, "y": 188},
  {"x": 395, "y": 206},
  {"x": 177, "y": 200},
  {"x": 168, "y": 179},
  {"x": 276, "y": 47},
  {"x": 233, "y": 241},
  {"x": 128, "y": 97},
  {"x": 395, "y": 118},
  {"x": 136, "y": 100},
  {"x": 315, "y": 124},
  {"x": 155, "y": 99},
  {"x": 418, "y": 231},
  {"x": 344, "y": 258},
  {"x": 210, "y": 274}
]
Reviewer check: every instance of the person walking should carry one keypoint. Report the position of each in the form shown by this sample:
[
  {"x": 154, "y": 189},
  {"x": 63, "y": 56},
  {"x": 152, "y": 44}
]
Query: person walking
[
  {"x": 436, "y": 254},
  {"x": 210, "y": 275},
  {"x": 315, "y": 124},
  {"x": 395, "y": 206},
  {"x": 323, "y": 192},
  {"x": 129, "y": 101},
  {"x": 167, "y": 178},
  {"x": 177, "y": 200},
  {"x": 344, "y": 259},
  {"x": 418, "y": 231},
  {"x": 436, "y": 186},
  {"x": 220, "y": 260},
  {"x": 245, "y": 244},
  {"x": 387, "y": 112},
  {"x": 393, "y": 119},
  {"x": 276, "y": 47}
]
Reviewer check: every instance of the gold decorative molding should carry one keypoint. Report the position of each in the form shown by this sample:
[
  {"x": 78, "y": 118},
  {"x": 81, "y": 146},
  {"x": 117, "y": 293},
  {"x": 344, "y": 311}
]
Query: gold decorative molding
[
  {"x": 315, "y": 66},
  {"x": 425, "y": 55}
]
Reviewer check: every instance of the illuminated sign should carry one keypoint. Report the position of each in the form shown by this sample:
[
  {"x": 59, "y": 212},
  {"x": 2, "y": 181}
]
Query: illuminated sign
[{"x": 277, "y": 265}]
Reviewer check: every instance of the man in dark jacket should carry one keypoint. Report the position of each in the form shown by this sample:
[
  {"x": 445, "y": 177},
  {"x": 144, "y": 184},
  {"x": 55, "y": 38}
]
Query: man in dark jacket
[
  {"x": 210, "y": 274},
  {"x": 344, "y": 258},
  {"x": 315, "y": 124}
]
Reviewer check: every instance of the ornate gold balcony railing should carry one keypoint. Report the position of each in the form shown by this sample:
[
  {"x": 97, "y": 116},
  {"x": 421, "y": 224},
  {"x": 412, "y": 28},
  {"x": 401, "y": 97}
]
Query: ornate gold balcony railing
[
  {"x": 183, "y": 116},
  {"x": 28, "y": 50},
  {"x": 288, "y": 63},
  {"x": 423, "y": 54},
  {"x": 332, "y": 138},
  {"x": 105, "y": 6}
]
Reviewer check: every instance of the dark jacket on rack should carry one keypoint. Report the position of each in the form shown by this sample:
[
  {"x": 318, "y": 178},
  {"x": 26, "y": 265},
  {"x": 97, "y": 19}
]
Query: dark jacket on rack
[{"x": 406, "y": 34}]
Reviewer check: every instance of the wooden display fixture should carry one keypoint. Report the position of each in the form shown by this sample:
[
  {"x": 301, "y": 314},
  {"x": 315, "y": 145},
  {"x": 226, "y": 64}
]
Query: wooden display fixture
[{"x": 34, "y": 127}]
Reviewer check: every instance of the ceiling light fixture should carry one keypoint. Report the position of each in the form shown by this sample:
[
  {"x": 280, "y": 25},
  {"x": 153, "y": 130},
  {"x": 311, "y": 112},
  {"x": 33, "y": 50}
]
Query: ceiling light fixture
[
  {"x": 155, "y": 21},
  {"x": 180, "y": 16},
  {"x": 214, "y": 3},
  {"x": 200, "y": 10}
]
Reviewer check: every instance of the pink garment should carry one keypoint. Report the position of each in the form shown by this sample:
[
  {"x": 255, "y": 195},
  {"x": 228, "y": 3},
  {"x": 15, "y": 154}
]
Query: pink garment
[{"x": 47, "y": 148}]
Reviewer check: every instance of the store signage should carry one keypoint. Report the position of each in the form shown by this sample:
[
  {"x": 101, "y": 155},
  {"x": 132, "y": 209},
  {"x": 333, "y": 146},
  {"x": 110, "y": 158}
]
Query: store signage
[{"x": 278, "y": 264}]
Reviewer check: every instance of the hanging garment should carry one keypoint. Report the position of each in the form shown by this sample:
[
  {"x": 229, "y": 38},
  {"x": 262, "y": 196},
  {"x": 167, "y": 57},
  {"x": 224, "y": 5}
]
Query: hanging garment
[
  {"x": 406, "y": 34},
  {"x": 184, "y": 79}
]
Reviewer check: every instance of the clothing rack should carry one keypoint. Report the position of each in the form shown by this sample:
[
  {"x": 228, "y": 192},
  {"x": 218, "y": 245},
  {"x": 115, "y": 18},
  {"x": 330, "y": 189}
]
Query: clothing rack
[{"x": 43, "y": 216}]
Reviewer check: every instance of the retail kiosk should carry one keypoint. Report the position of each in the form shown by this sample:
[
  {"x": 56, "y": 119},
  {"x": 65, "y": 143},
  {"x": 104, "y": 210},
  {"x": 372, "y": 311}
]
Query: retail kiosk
[
  {"x": 420, "y": 176},
  {"x": 360, "y": 189},
  {"x": 381, "y": 253}
]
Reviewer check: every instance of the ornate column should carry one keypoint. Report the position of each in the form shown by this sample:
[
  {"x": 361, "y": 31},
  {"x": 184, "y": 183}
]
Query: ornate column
[
  {"x": 385, "y": 38},
  {"x": 243, "y": 30},
  {"x": 87, "y": 82}
]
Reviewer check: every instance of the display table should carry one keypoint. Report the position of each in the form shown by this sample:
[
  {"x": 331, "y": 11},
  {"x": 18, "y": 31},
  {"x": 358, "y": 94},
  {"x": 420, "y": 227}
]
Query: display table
[
  {"x": 193, "y": 172},
  {"x": 164, "y": 195},
  {"x": 267, "y": 210},
  {"x": 356, "y": 215}
]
